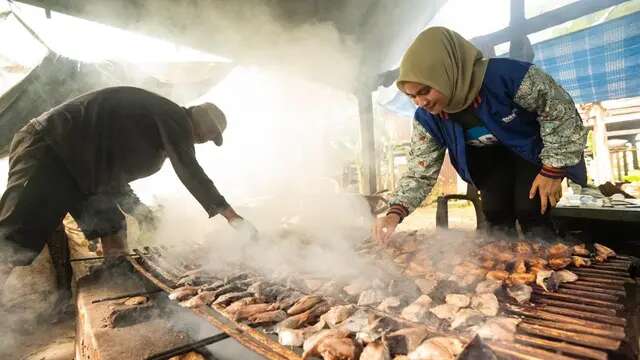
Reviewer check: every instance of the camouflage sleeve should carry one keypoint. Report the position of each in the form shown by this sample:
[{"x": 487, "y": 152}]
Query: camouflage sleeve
[
  {"x": 561, "y": 128},
  {"x": 425, "y": 159}
]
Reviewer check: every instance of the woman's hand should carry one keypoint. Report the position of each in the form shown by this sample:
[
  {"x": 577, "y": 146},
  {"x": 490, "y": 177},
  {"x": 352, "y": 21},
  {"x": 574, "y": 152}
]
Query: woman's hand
[
  {"x": 550, "y": 191},
  {"x": 384, "y": 228}
]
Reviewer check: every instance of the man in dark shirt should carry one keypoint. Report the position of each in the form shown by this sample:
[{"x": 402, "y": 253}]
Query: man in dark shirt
[{"x": 79, "y": 158}]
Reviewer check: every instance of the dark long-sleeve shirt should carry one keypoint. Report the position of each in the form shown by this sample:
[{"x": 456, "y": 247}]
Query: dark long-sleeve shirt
[{"x": 112, "y": 136}]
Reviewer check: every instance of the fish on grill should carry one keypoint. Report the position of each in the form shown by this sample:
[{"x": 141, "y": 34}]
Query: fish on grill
[
  {"x": 390, "y": 304},
  {"x": 417, "y": 310},
  {"x": 212, "y": 286},
  {"x": 580, "y": 261},
  {"x": 466, "y": 317},
  {"x": 499, "y": 275},
  {"x": 268, "y": 317},
  {"x": 376, "y": 350},
  {"x": 580, "y": 250},
  {"x": 445, "y": 311},
  {"x": 603, "y": 251},
  {"x": 303, "y": 304},
  {"x": 377, "y": 326},
  {"x": 520, "y": 293},
  {"x": 405, "y": 340},
  {"x": 559, "y": 263},
  {"x": 183, "y": 293},
  {"x": 558, "y": 250},
  {"x": 486, "y": 303},
  {"x": 251, "y": 310},
  {"x": 437, "y": 348},
  {"x": 202, "y": 299},
  {"x": 335, "y": 348},
  {"x": 239, "y": 304},
  {"x": 338, "y": 314},
  {"x": 500, "y": 328},
  {"x": 296, "y": 337},
  {"x": 228, "y": 298},
  {"x": 488, "y": 286},
  {"x": 521, "y": 278},
  {"x": 287, "y": 299},
  {"x": 309, "y": 316},
  {"x": 547, "y": 280},
  {"x": 371, "y": 297},
  {"x": 459, "y": 300},
  {"x": 226, "y": 289}
]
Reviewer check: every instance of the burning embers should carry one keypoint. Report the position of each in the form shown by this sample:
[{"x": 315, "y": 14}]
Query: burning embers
[{"x": 522, "y": 299}]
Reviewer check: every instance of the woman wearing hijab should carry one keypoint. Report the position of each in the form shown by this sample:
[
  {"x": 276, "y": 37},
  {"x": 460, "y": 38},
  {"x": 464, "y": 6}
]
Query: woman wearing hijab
[{"x": 510, "y": 130}]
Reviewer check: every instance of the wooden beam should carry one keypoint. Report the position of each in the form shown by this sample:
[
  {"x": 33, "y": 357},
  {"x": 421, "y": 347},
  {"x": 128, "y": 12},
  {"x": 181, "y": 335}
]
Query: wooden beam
[{"x": 549, "y": 19}]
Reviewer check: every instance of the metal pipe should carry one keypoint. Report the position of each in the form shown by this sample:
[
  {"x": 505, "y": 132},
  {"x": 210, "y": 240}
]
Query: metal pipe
[{"x": 165, "y": 355}]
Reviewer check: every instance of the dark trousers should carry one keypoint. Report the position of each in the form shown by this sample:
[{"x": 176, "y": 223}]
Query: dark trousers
[
  {"x": 504, "y": 180},
  {"x": 40, "y": 192}
]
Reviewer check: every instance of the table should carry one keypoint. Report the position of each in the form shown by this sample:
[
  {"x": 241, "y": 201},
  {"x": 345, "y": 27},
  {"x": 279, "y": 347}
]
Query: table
[{"x": 616, "y": 227}]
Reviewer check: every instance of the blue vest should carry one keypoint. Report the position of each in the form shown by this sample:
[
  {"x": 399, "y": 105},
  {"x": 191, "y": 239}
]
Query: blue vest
[{"x": 515, "y": 127}]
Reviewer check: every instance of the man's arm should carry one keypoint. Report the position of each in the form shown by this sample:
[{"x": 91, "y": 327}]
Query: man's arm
[{"x": 176, "y": 134}]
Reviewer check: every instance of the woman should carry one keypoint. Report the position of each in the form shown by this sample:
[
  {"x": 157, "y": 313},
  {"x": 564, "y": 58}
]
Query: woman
[{"x": 510, "y": 130}]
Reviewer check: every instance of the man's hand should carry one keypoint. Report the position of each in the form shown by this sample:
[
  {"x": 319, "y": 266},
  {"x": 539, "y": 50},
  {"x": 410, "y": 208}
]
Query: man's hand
[
  {"x": 240, "y": 224},
  {"x": 384, "y": 228},
  {"x": 550, "y": 191},
  {"x": 245, "y": 228}
]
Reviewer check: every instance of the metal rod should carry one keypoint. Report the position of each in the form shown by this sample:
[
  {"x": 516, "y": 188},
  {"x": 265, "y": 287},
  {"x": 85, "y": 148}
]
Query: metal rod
[
  {"x": 165, "y": 355},
  {"x": 139, "y": 293},
  {"x": 97, "y": 258}
]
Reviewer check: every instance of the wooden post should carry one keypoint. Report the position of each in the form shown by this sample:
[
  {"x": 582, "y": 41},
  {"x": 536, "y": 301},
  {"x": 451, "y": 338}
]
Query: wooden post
[
  {"x": 603, "y": 172},
  {"x": 367, "y": 141}
]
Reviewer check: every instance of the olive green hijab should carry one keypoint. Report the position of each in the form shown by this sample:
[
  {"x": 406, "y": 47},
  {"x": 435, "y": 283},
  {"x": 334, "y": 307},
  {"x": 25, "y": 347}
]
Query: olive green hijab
[{"x": 445, "y": 61}]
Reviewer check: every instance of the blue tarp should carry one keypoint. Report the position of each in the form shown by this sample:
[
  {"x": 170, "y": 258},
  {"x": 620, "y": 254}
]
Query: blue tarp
[{"x": 596, "y": 64}]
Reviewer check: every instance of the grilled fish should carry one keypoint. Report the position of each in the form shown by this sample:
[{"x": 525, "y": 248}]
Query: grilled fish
[{"x": 303, "y": 304}]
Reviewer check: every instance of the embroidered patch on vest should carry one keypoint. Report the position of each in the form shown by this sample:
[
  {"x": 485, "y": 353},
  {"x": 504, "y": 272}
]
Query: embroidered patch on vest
[{"x": 507, "y": 119}]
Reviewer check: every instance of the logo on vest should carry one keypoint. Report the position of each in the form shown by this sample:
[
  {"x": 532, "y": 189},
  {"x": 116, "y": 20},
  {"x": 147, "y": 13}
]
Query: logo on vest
[{"x": 507, "y": 119}]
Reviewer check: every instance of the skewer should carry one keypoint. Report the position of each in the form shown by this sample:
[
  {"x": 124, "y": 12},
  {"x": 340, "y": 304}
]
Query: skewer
[
  {"x": 523, "y": 352},
  {"x": 571, "y": 305},
  {"x": 563, "y": 347},
  {"x": 598, "y": 285},
  {"x": 578, "y": 299},
  {"x": 596, "y": 327},
  {"x": 613, "y": 320},
  {"x": 589, "y": 294},
  {"x": 577, "y": 328},
  {"x": 620, "y": 293},
  {"x": 582, "y": 339}
]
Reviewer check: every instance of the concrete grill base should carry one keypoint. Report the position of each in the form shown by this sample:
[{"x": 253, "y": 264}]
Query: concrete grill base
[{"x": 136, "y": 340}]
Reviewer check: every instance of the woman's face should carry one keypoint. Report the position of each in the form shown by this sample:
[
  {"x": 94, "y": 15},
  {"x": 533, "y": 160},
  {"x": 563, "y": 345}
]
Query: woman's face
[{"x": 426, "y": 97}]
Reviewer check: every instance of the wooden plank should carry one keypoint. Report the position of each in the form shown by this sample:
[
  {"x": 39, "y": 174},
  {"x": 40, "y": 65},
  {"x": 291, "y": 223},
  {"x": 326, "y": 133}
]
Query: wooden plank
[{"x": 562, "y": 347}]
